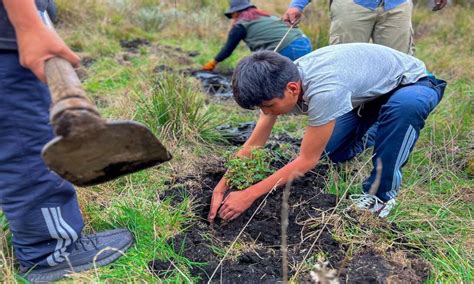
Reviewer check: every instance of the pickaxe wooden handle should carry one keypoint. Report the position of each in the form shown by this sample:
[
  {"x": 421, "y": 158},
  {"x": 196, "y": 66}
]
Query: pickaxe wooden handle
[{"x": 72, "y": 113}]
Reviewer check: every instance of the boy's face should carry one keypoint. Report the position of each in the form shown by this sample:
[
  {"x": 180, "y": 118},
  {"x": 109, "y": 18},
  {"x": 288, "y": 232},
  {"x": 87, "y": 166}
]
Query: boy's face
[{"x": 285, "y": 104}]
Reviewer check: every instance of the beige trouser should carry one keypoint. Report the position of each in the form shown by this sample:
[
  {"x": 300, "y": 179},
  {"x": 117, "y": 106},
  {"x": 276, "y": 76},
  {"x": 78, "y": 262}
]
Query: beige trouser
[{"x": 351, "y": 22}]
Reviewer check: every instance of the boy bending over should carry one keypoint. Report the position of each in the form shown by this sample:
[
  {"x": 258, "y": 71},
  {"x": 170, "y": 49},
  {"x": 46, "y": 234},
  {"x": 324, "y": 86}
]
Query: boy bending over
[{"x": 344, "y": 89}]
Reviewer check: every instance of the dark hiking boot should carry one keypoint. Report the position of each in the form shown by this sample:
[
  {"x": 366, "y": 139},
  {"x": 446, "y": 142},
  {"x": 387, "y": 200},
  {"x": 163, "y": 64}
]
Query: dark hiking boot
[{"x": 88, "y": 252}]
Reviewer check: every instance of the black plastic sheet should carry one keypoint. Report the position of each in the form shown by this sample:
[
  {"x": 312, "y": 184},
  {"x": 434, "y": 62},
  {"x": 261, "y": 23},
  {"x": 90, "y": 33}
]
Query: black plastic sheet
[
  {"x": 214, "y": 84},
  {"x": 237, "y": 135}
]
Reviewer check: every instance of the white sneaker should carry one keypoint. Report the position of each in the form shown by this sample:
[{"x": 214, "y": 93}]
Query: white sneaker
[{"x": 373, "y": 204}]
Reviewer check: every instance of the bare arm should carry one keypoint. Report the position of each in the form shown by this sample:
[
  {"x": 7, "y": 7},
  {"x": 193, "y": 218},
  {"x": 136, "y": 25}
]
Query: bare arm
[
  {"x": 260, "y": 134},
  {"x": 36, "y": 42},
  {"x": 313, "y": 145},
  {"x": 22, "y": 14}
]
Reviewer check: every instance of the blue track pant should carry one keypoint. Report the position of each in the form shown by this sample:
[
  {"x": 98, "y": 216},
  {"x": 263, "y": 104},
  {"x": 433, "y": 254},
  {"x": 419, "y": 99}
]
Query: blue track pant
[
  {"x": 41, "y": 208},
  {"x": 400, "y": 115}
]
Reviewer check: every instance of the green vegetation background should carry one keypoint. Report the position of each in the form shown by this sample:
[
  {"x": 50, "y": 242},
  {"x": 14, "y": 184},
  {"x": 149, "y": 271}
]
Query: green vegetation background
[{"x": 436, "y": 204}]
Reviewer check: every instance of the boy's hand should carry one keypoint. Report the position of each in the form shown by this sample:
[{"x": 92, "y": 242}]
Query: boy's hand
[
  {"x": 216, "y": 201},
  {"x": 235, "y": 204},
  {"x": 38, "y": 45},
  {"x": 217, "y": 197}
]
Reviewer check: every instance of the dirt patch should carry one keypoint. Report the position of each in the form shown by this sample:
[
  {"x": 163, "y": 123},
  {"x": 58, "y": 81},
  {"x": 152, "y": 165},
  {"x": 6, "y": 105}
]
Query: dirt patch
[
  {"x": 257, "y": 258},
  {"x": 216, "y": 84},
  {"x": 193, "y": 53},
  {"x": 376, "y": 267},
  {"x": 81, "y": 73},
  {"x": 178, "y": 55},
  {"x": 161, "y": 268},
  {"x": 163, "y": 68},
  {"x": 260, "y": 261},
  {"x": 133, "y": 45},
  {"x": 86, "y": 59}
]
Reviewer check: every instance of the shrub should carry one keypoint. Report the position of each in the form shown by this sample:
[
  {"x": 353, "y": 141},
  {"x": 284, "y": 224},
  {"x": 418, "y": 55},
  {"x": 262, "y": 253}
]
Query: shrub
[
  {"x": 242, "y": 172},
  {"x": 154, "y": 18}
]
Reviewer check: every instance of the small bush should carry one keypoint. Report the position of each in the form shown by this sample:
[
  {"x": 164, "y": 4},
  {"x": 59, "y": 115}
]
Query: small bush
[
  {"x": 242, "y": 172},
  {"x": 153, "y": 19}
]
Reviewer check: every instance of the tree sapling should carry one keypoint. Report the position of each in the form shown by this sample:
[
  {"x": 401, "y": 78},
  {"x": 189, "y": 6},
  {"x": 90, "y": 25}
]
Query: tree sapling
[{"x": 242, "y": 172}]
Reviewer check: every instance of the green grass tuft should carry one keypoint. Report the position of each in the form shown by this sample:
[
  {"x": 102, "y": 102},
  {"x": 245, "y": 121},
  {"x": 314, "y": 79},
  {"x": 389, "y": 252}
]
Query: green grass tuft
[{"x": 176, "y": 110}]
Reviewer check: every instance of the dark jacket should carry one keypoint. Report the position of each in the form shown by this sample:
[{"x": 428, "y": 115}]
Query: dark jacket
[{"x": 7, "y": 33}]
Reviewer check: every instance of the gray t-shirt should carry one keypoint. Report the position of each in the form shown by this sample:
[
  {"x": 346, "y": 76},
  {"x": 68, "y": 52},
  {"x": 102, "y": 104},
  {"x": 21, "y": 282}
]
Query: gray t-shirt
[{"x": 339, "y": 78}]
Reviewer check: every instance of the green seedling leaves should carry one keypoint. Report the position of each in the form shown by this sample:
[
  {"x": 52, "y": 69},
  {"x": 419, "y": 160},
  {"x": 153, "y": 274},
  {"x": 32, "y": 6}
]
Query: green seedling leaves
[{"x": 242, "y": 172}]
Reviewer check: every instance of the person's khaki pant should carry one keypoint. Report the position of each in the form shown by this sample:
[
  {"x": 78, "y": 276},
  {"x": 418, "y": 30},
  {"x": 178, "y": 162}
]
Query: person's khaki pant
[{"x": 351, "y": 22}]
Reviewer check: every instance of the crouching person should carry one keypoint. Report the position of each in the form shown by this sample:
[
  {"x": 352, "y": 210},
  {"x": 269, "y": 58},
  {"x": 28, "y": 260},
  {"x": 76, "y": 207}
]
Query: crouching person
[
  {"x": 344, "y": 89},
  {"x": 260, "y": 31}
]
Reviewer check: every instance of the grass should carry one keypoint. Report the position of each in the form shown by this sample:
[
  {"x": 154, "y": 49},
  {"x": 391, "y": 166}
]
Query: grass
[
  {"x": 176, "y": 111},
  {"x": 436, "y": 204}
]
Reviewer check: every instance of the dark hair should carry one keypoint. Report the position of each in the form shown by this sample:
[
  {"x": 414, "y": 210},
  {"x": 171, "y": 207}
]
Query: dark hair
[{"x": 262, "y": 76}]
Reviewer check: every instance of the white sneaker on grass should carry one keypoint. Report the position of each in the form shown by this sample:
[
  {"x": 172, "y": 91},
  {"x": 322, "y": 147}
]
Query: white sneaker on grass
[{"x": 372, "y": 203}]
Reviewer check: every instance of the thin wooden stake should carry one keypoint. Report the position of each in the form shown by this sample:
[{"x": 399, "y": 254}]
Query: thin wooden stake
[
  {"x": 286, "y": 34},
  {"x": 284, "y": 232}
]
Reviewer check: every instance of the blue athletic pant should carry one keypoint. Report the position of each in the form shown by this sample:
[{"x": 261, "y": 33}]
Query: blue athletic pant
[
  {"x": 399, "y": 115},
  {"x": 297, "y": 48},
  {"x": 41, "y": 207}
]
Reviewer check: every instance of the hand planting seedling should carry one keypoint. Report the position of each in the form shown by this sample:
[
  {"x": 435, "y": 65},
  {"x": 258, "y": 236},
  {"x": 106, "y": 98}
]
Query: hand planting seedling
[{"x": 244, "y": 171}]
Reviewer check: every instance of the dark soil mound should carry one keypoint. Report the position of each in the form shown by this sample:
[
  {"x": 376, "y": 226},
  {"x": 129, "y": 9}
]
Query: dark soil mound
[
  {"x": 371, "y": 267},
  {"x": 262, "y": 261},
  {"x": 134, "y": 44},
  {"x": 161, "y": 268},
  {"x": 257, "y": 258}
]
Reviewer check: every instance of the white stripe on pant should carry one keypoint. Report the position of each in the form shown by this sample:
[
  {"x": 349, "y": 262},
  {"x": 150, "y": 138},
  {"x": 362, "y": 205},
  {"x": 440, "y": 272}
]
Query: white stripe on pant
[
  {"x": 60, "y": 230},
  {"x": 407, "y": 144}
]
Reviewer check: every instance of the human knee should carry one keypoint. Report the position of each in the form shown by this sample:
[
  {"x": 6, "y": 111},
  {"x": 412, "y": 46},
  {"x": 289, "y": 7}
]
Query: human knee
[
  {"x": 413, "y": 109},
  {"x": 416, "y": 103}
]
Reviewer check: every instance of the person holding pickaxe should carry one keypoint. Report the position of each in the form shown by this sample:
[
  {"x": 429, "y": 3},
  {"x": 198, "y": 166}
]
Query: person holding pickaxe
[{"x": 41, "y": 207}]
